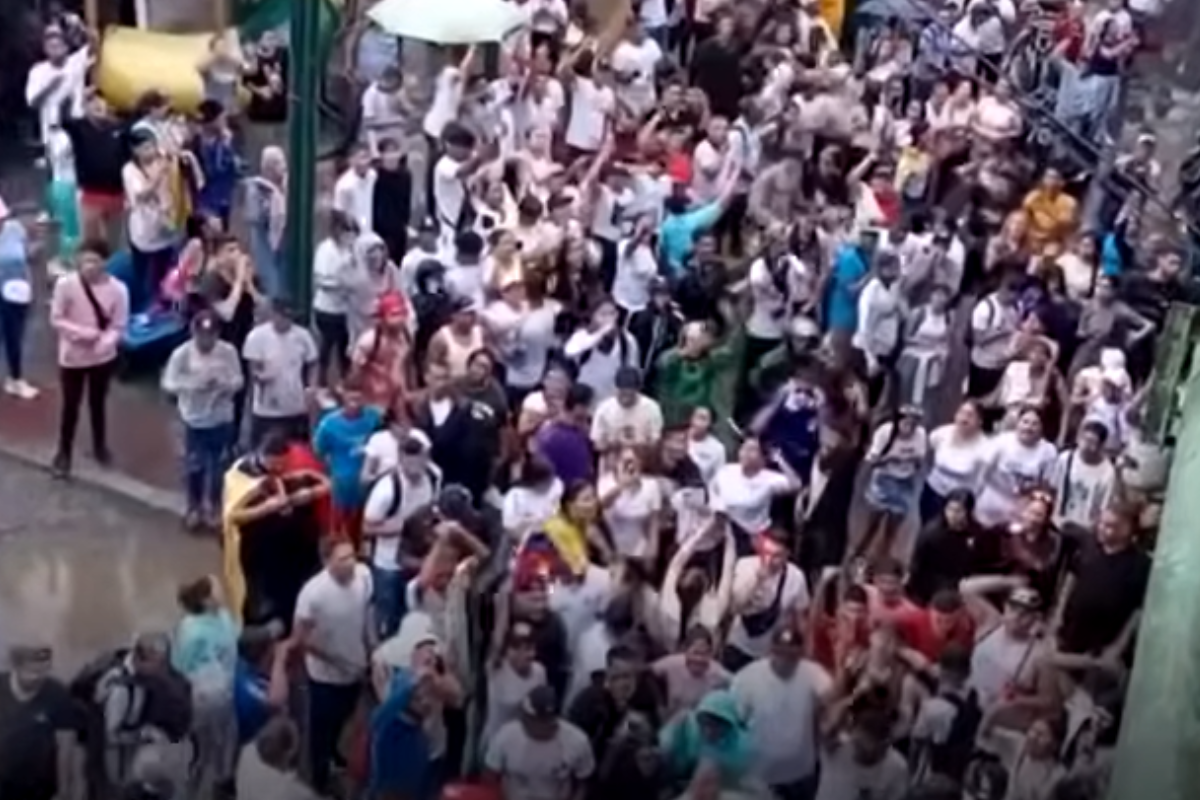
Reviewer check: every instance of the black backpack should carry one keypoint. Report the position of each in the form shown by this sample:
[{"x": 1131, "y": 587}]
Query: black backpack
[
  {"x": 435, "y": 480},
  {"x": 85, "y": 683},
  {"x": 168, "y": 703}
]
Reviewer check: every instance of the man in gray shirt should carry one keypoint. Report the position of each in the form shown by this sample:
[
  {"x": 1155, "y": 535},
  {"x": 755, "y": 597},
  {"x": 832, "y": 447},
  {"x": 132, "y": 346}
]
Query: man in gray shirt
[{"x": 204, "y": 374}]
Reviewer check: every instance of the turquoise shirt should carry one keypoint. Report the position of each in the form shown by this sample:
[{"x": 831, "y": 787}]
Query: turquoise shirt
[
  {"x": 841, "y": 302},
  {"x": 339, "y": 442},
  {"x": 205, "y": 651},
  {"x": 678, "y": 232}
]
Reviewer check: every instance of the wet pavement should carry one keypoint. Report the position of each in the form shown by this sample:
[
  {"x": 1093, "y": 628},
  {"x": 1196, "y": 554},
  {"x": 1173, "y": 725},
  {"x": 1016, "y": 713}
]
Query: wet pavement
[{"x": 82, "y": 569}]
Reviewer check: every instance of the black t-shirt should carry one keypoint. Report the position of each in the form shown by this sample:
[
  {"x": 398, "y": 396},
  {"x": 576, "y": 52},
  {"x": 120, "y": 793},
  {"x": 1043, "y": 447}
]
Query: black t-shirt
[
  {"x": 1109, "y": 589},
  {"x": 214, "y": 288},
  {"x": 268, "y": 109},
  {"x": 100, "y": 150},
  {"x": 28, "y": 739}
]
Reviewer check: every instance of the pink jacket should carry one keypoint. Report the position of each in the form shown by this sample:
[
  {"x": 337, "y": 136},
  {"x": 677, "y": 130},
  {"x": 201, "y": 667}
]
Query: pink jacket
[{"x": 81, "y": 342}]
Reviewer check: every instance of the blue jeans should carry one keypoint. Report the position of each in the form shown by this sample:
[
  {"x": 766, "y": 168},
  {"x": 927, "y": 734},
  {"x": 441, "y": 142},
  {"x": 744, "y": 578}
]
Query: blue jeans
[
  {"x": 12, "y": 331},
  {"x": 388, "y": 599},
  {"x": 268, "y": 262},
  {"x": 205, "y": 459}
]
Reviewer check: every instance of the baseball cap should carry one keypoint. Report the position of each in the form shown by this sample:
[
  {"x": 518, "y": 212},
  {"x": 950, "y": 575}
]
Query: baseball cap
[
  {"x": 1025, "y": 598},
  {"x": 541, "y": 703}
]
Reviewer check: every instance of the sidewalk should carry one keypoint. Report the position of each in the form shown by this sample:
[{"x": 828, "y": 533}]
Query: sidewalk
[{"x": 143, "y": 429}]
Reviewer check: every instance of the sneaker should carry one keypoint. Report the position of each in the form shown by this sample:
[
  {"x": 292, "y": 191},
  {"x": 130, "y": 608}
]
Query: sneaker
[
  {"x": 21, "y": 389},
  {"x": 103, "y": 456},
  {"x": 61, "y": 467},
  {"x": 192, "y": 521}
]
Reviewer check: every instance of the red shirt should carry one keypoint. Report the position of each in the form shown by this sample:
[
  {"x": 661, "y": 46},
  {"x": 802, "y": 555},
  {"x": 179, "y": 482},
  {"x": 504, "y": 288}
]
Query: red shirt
[{"x": 918, "y": 632}]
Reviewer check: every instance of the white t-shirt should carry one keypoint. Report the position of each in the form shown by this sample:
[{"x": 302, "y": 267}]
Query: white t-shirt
[
  {"x": 339, "y": 615},
  {"x": 591, "y": 106},
  {"x": 540, "y": 770},
  {"x": 380, "y": 117},
  {"x": 579, "y": 605},
  {"x": 843, "y": 778},
  {"x": 609, "y": 213},
  {"x": 72, "y": 87},
  {"x": 354, "y": 196},
  {"x": 708, "y": 454},
  {"x": 640, "y": 424},
  {"x": 1014, "y": 468},
  {"x": 899, "y": 456},
  {"x": 684, "y": 688},
  {"x": 382, "y": 448},
  {"x": 628, "y": 516},
  {"x": 526, "y": 508},
  {"x": 636, "y": 268},
  {"x": 1000, "y": 662},
  {"x": 746, "y": 499},
  {"x": 1082, "y": 491},
  {"x": 150, "y": 228},
  {"x": 447, "y": 96},
  {"x": 466, "y": 280},
  {"x": 506, "y": 692},
  {"x": 279, "y": 385},
  {"x": 637, "y": 63},
  {"x": 993, "y": 325},
  {"x": 449, "y": 193},
  {"x": 414, "y": 494},
  {"x": 956, "y": 465},
  {"x": 782, "y": 718},
  {"x": 708, "y": 163},
  {"x": 792, "y": 597},
  {"x": 769, "y": 313}
]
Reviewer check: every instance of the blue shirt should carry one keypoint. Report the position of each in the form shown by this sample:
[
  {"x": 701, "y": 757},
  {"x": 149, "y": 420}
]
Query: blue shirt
[
  {"x": 677, "y": 234},
  {"x": 250, "y": 705},
  {"x": 14, "y": 255},
  {"x": 219, "y": 163},
  {"x": 339, "y": 442},
  {"x": 849, "y": 268},
  {"x": 399, "y": 748}
]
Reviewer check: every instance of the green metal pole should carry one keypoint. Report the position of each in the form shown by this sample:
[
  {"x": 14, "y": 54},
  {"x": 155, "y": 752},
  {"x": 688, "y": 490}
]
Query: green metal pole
[
  {"x": 1157, "y": 753},
  {"x": 305, "y": 69}
]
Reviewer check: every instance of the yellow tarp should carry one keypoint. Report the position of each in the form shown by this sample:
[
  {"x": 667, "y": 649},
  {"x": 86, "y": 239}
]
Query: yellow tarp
[{"x": 133, "y": 61}]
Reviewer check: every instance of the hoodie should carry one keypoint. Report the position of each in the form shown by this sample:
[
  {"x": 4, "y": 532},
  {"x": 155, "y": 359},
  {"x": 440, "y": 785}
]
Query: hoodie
[
  {"x": 399, "y": 750},
  {"x": 684, "y": 746},
  {"x": 367, "y": 286}
]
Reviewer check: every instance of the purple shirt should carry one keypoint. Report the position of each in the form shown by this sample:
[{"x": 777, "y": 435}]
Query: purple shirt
[{"x": 568, "y": 450}]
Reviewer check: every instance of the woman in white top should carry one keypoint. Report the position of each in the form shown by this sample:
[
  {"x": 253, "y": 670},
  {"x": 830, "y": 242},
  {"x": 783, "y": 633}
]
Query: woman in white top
[
  {"x": 744, "y": 491},
  {"x": 632, "y": 505},
  {"x": 960, "y": 451},
  {"x": 600, "y": 350},
  {"x": 1021, "y": 461},
  {"x": 637, "y": 267},
  {"x": 997, "y": 117},
  {"x": 926, "y": 347},
  {"x": 896, "y": 457},
  {"x": 697, "y": 588},
  {"x": 704, "y": 449},
  {"x": 534, "y": 498}
]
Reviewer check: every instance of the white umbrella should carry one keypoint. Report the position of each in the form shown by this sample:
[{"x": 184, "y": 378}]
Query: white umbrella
[{"x": 448, "y": 21}]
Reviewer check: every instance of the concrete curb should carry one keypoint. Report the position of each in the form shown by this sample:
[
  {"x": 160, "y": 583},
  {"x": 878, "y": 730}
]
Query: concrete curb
[{"x": 89, "y": 474}]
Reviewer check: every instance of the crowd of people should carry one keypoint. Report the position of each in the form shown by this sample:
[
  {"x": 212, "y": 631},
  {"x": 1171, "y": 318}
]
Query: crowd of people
[{"x": 735, "y": 406}]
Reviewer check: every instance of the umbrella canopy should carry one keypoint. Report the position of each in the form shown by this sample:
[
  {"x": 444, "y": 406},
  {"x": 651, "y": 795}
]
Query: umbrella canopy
[
  {"x": 906, "y": 10},
  {"x": 448, "y": 21}
]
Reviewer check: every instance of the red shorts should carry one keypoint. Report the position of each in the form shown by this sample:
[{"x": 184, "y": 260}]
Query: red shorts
[{"x": 102, "y": 202}]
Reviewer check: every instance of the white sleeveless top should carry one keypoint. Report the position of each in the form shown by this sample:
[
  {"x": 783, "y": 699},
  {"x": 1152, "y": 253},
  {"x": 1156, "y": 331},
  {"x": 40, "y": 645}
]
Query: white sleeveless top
[{"x": 458, "y": 354}]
